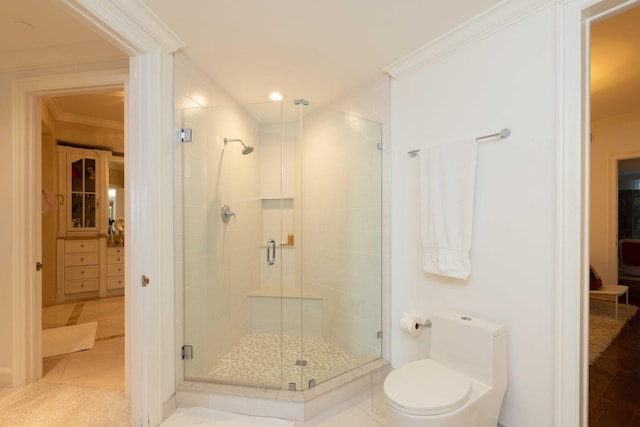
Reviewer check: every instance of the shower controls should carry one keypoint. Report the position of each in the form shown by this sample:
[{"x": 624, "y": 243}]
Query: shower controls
[
  {"x": 271, "y": 252},
  {"x": 226, "y": 214}
]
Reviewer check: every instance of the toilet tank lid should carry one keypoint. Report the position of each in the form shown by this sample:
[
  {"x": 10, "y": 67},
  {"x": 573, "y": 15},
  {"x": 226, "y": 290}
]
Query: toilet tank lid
[
  {"x": 492, "y": 328},
  {"x": 427, "y": 387}
]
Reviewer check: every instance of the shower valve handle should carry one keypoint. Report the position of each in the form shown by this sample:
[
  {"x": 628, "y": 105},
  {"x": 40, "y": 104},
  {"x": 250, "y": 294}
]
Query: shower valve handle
[{"x": 226, "y": 214}]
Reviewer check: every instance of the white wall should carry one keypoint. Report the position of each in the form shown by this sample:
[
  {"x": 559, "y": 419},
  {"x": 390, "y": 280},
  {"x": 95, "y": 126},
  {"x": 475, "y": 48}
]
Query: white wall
[
  {"x": 612, "y": 139},
  {"x": 504, "y": 79}
]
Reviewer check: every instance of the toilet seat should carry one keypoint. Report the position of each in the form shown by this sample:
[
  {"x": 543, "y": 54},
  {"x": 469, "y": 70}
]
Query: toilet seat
[{"x": 426, "y": 387}]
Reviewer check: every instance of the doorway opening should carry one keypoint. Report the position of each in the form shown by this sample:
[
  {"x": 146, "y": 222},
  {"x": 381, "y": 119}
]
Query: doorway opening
[
  {"x": 614, "y": 213},
  {"x": 82, "y": 165},
  {"x": 629, "y": 225}
]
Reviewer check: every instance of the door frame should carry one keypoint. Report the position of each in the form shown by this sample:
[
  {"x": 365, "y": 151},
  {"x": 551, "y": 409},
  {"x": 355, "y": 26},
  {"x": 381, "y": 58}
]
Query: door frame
[
  {"x": 148, "y": 188},
  {"x": 591, "y": 11},
  {"x": 613, "y": 208},
  {"x": 27, "y": 109}
]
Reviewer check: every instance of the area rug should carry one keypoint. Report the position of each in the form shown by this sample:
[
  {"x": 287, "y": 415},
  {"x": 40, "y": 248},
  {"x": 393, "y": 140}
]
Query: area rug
[
  {"x": 68, "y": 339},
  {"x": 54, "y": 405},
  {"x": 210, "y": 417},
  {"x": 603, "y": 327}
]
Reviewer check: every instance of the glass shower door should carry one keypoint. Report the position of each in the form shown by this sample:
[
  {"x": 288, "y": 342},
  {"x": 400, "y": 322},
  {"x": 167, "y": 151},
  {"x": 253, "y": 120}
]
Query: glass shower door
[
  {"x": 232, "y": 227},
  {"x": 341, "y": 236}
]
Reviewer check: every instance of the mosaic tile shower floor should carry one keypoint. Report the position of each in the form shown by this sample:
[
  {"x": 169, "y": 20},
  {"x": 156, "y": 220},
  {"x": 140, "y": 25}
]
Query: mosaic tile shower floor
[{"x": 270, "y": 360}]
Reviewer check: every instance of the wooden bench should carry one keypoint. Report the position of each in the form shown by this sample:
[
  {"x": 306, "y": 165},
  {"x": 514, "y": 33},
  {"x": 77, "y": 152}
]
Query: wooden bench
[{"x": 615, "y": 291}]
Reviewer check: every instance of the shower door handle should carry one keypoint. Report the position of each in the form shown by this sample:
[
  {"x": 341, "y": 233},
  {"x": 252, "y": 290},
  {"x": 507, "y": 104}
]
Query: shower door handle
[{"x": 271, "y": 252}]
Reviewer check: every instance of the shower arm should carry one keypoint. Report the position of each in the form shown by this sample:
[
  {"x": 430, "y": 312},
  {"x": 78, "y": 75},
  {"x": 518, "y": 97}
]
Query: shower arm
[{"x": 235, "y": 140}]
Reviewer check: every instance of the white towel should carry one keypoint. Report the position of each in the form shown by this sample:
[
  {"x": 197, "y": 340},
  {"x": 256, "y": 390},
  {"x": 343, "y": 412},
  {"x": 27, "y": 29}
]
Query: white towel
[{"x": 447, "y": 183}]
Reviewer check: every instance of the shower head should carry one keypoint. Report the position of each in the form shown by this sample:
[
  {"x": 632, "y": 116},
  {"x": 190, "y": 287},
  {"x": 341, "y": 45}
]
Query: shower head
[{"x": 246, "y": 148}]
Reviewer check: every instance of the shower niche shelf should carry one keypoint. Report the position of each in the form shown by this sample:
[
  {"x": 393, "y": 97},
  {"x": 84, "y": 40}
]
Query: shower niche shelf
[{"x": 285, "y": 197}]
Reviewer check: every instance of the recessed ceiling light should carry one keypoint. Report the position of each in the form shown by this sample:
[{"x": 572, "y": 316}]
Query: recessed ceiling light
[{"x": 276, "y": 96}]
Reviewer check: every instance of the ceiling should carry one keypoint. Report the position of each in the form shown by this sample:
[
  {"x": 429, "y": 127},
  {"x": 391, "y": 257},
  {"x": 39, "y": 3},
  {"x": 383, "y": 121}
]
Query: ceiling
[
  {"x": 615, "y": 65},
  {"x": 317, "y": 50}
]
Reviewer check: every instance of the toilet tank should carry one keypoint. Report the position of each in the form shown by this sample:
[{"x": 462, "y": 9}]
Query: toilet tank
[{"x": 470, "y": 345}]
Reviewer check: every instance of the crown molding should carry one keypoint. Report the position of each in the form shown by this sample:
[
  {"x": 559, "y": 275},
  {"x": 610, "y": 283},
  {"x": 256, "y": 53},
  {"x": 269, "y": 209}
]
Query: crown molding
[
  {"x": 488, "y": 22},
  {"x": 130, "y": 24},
  {"x": 62, "y": 116}
]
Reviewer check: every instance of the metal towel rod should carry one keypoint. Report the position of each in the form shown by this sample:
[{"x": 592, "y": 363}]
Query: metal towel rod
[{"x": 504, "y": 133}]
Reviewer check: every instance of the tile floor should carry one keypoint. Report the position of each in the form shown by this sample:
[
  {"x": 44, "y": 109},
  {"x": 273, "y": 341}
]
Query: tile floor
[
  {"x": 103, "y": 366},
  {"x": 366, "y": 410}
]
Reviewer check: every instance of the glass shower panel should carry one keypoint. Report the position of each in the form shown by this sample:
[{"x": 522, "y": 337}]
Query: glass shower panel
[
  {"x": 340, "y": 235},
  {"x": 232, "y": 226}
]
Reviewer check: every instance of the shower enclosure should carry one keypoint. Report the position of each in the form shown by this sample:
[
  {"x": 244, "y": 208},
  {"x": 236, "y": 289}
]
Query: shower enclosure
[{"x": 282, "y": 237}]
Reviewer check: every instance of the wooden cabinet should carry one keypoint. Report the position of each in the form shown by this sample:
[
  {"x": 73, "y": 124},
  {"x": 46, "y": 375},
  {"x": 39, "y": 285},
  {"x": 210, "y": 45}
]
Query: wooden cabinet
[
  {"x": 115, "y": 267},
  {"x": 87, "y": 267},
  {"x": 79, "y": 267}
]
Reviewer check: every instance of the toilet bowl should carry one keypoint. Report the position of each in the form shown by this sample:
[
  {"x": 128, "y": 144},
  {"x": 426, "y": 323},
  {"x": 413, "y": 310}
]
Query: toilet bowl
[{"x": 461, "y": 385}]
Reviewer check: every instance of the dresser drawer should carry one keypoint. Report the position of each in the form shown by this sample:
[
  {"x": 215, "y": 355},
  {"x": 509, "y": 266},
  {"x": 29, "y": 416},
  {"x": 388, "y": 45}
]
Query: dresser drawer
[
  {"x": 73, "y": 260},
  {"x": 115, "y": 251},
  {"x": 74, "y": 286},
  {"x": 115, "y": 282},
  {"x": 115, "y": 270},
  {"x": 73, "y": 246},
  {"x": 81, "y": 273},
  {"x": 115, "y": 259}
]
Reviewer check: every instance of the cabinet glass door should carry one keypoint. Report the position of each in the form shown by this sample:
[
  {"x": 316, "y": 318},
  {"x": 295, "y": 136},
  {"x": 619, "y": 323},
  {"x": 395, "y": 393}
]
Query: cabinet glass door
[{"x": 84, "y": 198}]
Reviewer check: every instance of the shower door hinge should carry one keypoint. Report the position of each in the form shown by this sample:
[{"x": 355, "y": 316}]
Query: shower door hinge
[
  {"x": 380, "y": 146},
  {"x": 187, "y": 352},
  {"x": 379, "y": 334},
  {"x": 185, "y": 135}
]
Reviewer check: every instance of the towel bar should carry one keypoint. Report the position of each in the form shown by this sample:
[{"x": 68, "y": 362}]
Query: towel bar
[{"x": 504, "y": 133}]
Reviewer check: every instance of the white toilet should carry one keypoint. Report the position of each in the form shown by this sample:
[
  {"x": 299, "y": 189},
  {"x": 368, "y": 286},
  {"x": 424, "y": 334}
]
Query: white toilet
[{"x": 461, "y": 385}]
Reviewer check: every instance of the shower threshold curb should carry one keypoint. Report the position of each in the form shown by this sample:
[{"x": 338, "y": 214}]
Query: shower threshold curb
[{"x": 293, "y": 405}]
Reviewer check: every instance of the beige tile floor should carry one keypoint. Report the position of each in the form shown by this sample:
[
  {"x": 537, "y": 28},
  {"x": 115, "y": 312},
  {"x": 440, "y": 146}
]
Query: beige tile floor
[{"x": 103, "y": 365}]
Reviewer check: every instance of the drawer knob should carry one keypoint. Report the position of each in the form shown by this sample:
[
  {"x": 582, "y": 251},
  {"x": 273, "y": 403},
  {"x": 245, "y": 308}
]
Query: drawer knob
[
  {"x": 81, "y": 259},
  {"x": 82, "y": 285}
]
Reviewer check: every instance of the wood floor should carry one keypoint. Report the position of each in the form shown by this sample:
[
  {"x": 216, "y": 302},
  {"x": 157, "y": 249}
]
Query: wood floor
[{"x": 614, "y": 378}]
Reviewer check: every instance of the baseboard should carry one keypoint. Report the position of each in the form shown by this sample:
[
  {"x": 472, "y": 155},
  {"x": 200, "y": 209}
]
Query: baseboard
[{"x": 169, "y": 407}]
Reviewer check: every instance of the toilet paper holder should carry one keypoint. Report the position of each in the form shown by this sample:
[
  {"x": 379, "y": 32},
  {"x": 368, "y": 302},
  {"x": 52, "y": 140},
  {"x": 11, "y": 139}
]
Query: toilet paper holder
[{"x": 413, "y": 324}]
